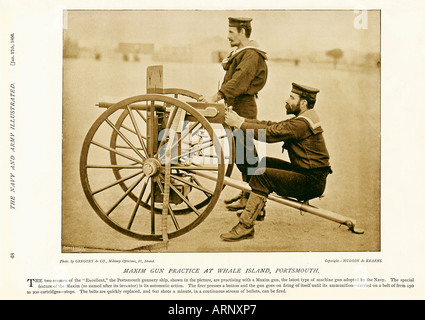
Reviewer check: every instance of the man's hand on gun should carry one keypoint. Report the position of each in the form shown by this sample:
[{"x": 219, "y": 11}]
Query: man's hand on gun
[
  {"x": 210, "y": 99},
  {"x": 232, "y": 119}
]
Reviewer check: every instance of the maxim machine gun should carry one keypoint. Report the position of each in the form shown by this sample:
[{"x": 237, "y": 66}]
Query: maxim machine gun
[{"x": 153, "y": 166}]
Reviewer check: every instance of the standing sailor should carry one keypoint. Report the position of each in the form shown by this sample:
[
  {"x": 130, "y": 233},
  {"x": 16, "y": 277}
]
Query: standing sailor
[{"x": 246, "y": 74}]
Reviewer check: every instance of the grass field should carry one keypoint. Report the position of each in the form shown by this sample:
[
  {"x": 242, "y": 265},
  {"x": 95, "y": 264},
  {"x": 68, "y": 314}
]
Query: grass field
[{"x": 349, "y": 107}]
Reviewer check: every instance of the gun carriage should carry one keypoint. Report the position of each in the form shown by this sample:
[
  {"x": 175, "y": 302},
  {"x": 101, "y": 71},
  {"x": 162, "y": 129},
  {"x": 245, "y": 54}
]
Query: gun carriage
[{"x": 153, "y": 166}]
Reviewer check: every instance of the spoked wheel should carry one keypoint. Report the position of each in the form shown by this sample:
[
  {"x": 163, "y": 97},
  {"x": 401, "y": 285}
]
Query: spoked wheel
[
  {"x": 225, "y": 138},
  {"x": 141, "y": 157}
]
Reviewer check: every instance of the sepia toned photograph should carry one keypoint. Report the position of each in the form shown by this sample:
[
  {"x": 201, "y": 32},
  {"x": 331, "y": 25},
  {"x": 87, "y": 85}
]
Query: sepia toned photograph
[
  {"x": 209, "y": 157},
  {"x": 215, "y": 131}
]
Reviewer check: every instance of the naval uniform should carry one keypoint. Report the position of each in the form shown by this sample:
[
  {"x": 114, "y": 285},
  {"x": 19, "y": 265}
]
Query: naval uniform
[
  {"x": 246, "y": 75},
  {"x": 304, "y": 177}
]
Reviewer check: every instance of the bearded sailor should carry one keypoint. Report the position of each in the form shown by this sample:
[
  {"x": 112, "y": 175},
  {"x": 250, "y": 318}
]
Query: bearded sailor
[{"x": 304, "y": 176}]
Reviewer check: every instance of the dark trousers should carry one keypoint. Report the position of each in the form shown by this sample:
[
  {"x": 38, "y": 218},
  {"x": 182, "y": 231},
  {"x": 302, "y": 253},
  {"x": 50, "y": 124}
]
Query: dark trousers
[
  {"x": 281, "y": 177},
  {"x": 246, "y": 153}
]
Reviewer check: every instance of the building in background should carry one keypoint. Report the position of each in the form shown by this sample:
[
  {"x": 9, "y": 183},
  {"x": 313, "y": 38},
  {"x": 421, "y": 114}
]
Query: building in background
[{"x": 134, "y": 51}]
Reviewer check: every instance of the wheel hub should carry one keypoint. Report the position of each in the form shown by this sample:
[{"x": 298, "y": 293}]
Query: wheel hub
[{"x": 151, "y": 167}]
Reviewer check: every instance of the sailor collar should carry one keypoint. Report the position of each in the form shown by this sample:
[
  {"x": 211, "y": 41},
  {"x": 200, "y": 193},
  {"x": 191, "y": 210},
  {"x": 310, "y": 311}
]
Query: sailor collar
[
  {"x": 236, "y": 51},
  {"x": 312, "y": 120}
]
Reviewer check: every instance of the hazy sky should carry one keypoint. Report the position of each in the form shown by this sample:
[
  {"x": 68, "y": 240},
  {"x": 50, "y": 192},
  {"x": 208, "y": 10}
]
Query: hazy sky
[{"x": 275, "y": 30}]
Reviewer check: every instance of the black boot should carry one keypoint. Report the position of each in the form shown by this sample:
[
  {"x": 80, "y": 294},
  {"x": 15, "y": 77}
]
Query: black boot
[
  {"x": 235, "y": 198},
  {"x": 238, "y": 232},
  {"x": 261, "y": 216},
  {"x": 240, "y": 203},
  {"x": 245, "y": 228}
]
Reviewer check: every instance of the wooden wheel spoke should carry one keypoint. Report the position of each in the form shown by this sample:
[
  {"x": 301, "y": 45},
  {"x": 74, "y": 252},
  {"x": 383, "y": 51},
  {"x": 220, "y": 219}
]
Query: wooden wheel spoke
[
  {"x": 125, "y": 147},
  {"x": 141, "y": 115},
  {"x": 152, "y": 199},
  {"x": 116, "y": 182},
  {"x": 113, "y": 166},
  {"x": 136, "y": 127},
  {"x": 136, "y": 207},
  {"x": 186, "y": 200},
  {"x": 199, "y": 147},
  {"x": 167, "y": 127},
  {"x": 122, "y": 154},
  {"x": 181, "y": 138},
  {"x": 194, "y": 167},
  {"x": 124, "y": 138},
  {"x": 150, "y": 122},
  {"x": 170, "y": 210},
  {"x": 198, "y": 183},
  {"x": 128, "y": 129},
  {"x": 134, "y": 185},
  {"x": 132, "y": 131},
  {"x": 197, "y": 186}
]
